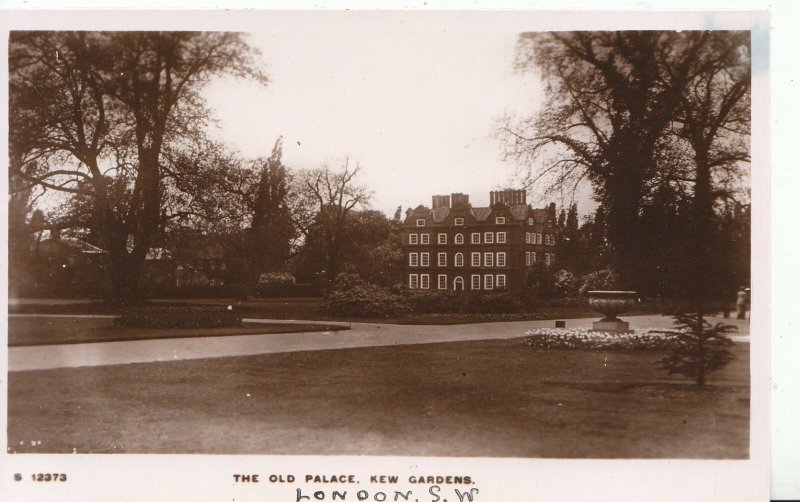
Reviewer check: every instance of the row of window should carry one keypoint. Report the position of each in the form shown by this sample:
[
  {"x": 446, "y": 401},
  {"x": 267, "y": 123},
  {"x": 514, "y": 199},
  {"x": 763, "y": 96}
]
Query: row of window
[
  {"x": 488, "y": 281},
  {"x": 534, "y": 238},
  {"x": 489, "y": 259},
  {"x": 530, "y": 258},
  {"x": 488, "y": 238},
  {"x": 498, "y": 220}
]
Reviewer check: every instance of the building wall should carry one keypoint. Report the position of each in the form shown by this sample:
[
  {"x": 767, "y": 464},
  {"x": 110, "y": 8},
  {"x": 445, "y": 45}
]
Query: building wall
[{"x": 515, "y": 246}]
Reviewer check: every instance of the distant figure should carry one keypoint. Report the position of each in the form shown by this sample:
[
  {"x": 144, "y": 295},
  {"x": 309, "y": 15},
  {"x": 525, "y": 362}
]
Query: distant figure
[{"x": 741, "y": 303}]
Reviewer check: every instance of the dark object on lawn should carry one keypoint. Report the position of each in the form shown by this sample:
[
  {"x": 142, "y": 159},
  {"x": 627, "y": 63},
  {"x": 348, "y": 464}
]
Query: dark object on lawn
[
  {"x": 561, "y": 324},
  {"x": 179, "y": 317}
]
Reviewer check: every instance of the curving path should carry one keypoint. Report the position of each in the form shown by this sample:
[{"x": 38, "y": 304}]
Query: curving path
[{"x": 360, "y": 335}]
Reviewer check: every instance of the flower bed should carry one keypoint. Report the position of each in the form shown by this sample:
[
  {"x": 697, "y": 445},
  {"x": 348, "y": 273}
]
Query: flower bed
[{"x": 583, "y": 339}]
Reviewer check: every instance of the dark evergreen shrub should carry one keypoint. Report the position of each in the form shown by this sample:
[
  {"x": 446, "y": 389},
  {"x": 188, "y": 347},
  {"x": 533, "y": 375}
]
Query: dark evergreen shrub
[{"x": 179, "y": 317}]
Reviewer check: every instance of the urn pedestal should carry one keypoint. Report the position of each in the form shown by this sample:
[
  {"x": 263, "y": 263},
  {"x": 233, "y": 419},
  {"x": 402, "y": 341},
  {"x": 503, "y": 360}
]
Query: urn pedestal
[{"x": 611, "y": 304}]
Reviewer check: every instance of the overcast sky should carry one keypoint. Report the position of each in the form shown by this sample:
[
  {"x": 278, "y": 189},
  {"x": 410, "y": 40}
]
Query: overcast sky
[{"x": 416, "y": 107}]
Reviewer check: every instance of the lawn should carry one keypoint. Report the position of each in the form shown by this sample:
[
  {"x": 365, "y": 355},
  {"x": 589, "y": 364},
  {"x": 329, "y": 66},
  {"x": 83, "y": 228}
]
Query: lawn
[
  {"x": 60, "y": 330},
  {"x": 488, "y": 399}
]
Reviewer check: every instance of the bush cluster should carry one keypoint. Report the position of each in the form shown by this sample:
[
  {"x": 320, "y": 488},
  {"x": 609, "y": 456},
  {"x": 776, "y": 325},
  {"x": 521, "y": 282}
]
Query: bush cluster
[
  {"x": 366, "y": 300},
  {"x": 450, "y": 302},
  {"x": 600, "y": 280},
  {"x": 179, "y": 317}
]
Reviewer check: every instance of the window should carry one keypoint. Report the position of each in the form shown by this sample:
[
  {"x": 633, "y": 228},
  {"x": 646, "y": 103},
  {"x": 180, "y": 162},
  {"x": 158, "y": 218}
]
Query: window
[
  {"x": 459, "y": 260},
  {"x": 546, "y": 239},
  {"x": 476, "y": 238},
  {"x": 459, "y": 239},
  {"x": 424, "y": 281},
  {"x": 500, "y": 220},
  {"x": 442, "y": 281},
  {"x": 547, "y": 259},
  {"x": 488, "y": 281},
  {"x": 442, "y": 259},
  {"x": 413, "y": 238},
  {"x": 459, "y": 221},
  {"x": 501, "y": 259},
  {"x": 538, "y": 238},
  {"x": 527, "y": 237},
  {"x": 476, "y": 259},
  {"x": 425, "y": 238},
  {"x": 488, "y": 259},
  {"x": 488, "y": 238},
  {"x": 442, "y": 238},
  {"x": 420, "y": 222},
  {"x": 413, "y": 259},
  {"x": 530, "y": 222},
  {"x": 533, "y": 258},
  {"x": 413, "y": 281},
  {"x": 501, "y": 281},
  {"x": 527, "y": 258},
  {"x": 501, "y": 237},
  {"x": 476, "y": 282},
  {"x": 425, "y": 259}
]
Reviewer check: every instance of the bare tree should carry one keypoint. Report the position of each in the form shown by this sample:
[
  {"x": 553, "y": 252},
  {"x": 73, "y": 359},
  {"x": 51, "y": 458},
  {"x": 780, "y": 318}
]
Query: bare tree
[{"x": 334, "y": 194}]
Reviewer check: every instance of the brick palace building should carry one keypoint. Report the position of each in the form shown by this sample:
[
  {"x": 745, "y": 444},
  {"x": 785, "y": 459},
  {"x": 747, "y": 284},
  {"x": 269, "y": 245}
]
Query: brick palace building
[{"x": 454, "y": 246}]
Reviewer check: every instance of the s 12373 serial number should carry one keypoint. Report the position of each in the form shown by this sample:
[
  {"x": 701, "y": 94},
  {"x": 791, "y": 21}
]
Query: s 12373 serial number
[{"x": 48, "y": 477}]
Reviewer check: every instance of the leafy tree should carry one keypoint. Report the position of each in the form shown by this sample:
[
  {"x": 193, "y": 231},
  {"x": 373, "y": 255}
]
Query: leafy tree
[
  {"x": 272, "y": 230},
  {"x": 609, "y": 104},
  {"x": 89, "y": 107},
  {"x": 714, "y": 120}
]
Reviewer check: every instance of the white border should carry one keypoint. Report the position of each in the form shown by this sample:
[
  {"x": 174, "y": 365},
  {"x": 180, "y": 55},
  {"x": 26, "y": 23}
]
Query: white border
[{"x": 187, "y": 477}]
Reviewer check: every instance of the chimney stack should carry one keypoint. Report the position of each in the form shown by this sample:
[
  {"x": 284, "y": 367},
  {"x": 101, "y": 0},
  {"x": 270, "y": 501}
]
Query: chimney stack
[
  {"x": 507, "y": 197},
  {"x": 440, "y": 201},
  {"x": 460, "y": 200}
]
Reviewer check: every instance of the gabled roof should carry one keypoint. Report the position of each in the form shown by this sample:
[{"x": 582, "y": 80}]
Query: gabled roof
[
  {"x": 439, "y": 214},
  {"x": 481, "y": 213},
  {"x": 519, "y": 211}
]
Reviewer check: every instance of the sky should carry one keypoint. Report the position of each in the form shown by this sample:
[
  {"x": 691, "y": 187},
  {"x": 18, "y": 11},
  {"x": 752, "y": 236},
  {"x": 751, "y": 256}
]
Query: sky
[{"x": 416, "y": 107}]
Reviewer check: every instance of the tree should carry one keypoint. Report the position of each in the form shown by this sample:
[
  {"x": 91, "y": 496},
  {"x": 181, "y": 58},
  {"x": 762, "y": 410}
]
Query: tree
[
  {"x": 701, "y": 349},
  {"x": 714, "y": 120},
  {"x": 90, "y": 107},
  {"x": 272, "y": 230},
  {"x": 334, "y": 195},
  {"x": 608, "y": 107}
]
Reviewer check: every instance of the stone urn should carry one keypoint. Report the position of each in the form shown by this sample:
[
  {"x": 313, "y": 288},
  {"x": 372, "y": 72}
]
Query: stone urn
[{"x": 611, "y": 304}]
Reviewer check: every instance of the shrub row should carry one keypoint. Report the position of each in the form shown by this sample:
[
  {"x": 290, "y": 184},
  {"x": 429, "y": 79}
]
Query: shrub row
[
  {"x": 448, "y": 302},
  {"x": 367, "y": 300},
  {"x": 179, "y": 317}
]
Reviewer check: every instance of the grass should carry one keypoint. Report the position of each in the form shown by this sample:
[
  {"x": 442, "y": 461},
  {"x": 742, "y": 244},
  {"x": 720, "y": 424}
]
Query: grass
[
  {"x": 488, "y": 398},
  {"x": 62, "y": 330}
]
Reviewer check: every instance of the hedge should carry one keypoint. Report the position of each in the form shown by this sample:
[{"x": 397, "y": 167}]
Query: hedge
[{"x": 179, "y": 317}]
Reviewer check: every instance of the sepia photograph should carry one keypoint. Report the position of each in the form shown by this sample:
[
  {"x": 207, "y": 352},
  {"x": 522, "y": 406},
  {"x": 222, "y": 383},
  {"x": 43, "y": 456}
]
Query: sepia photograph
[{"x": 381, "y": 235}]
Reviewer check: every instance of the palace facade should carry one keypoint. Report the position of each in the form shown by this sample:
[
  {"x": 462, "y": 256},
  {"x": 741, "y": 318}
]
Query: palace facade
[{"x": 454, "y": 246}]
